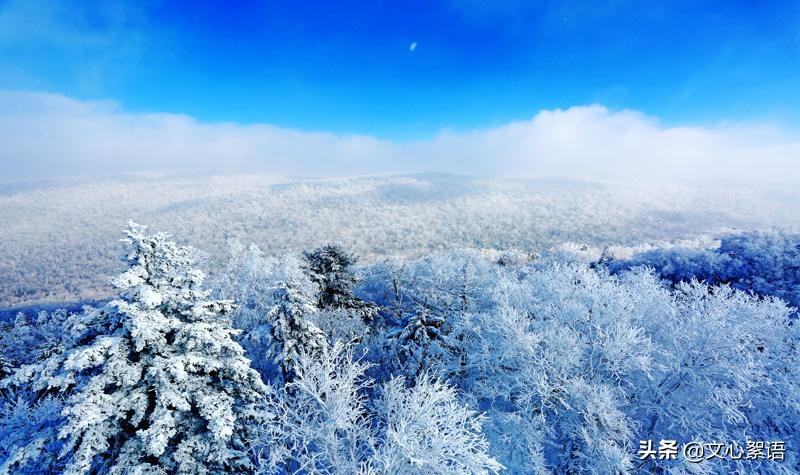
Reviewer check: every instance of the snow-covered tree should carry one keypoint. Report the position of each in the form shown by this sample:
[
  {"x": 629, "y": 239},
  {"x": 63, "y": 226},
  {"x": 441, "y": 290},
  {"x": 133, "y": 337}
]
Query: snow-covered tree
[
  {"x": 28, "y": 433},
  {"x": 330, "y": 267},
  {"x": 767, "y": 263},
  {"x": 419, "y": 343},
  {"x": 28, "y": 340},
  {"x": 728, "y": 370},
  {"x": 323, "y": 423},
  {"x": 453, "y": 283},
  {"x": 570, "y": 358},
  {"x": 291, "y": 333},
  {"x": 6, "y": 367},
  {"x": 555, "y": 360},
  {"x": 577, "y": 365},
  {"x": 253, "y": 280},
  {"x": 163, "y": 387},
  {"x": 425, "y": 429},
  {"x": 33, "y": 395}
]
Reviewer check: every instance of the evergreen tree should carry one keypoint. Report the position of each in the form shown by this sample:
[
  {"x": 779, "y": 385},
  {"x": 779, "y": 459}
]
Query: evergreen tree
[
  {"x": 164, "y": 388},
  {"x": 5, "y": 367},
  {"x": 291, "y": 332},
  {"x": 419, "y": 343},
  {"x": 330, "y": 267},
  {"x": 29, "y": 340}
]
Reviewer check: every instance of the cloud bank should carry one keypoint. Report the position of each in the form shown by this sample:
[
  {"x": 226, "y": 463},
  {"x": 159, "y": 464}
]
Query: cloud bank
[{"x": 46, "y": 135}]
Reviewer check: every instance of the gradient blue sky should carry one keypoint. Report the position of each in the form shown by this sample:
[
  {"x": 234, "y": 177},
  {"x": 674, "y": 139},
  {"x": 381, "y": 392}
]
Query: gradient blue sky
[{"x": 347, "y": 66}]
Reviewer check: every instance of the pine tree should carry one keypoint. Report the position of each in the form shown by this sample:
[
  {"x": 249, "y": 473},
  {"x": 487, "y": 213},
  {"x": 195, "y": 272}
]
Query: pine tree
[
  {"x": 5, "y": 367},
  {"x": 330, "y": 267},
  {"x": 166, "y": 388},
  {"x": 291, "y": 332},
  {"x": 419, "y": 343}
]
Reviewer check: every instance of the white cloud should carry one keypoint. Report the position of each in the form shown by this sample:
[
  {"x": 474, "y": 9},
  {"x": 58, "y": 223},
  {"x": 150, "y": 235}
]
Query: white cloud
[{"x": 49, "y": 135}]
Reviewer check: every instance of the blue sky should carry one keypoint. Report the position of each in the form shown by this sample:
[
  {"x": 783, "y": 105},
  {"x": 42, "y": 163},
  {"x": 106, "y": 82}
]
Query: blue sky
[
  {"x": 614, "y": 89},
  {"x": 347, "y": 66}
]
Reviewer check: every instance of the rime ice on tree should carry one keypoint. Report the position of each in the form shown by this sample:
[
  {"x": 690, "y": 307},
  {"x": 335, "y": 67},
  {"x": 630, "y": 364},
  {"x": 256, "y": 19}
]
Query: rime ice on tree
[
  {"x": 330, "y": 267},
  {"x": 166, "y": 388},
  {"x": 291, "y": 332}
]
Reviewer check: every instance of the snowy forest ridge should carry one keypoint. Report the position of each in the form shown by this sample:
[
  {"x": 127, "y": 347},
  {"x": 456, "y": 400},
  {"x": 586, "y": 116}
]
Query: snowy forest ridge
[
  {"x": 459, "y": 362},
  {"x": 58, "y": 241}
]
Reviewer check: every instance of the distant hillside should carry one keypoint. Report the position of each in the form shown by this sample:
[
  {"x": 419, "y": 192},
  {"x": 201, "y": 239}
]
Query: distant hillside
[{"x": 59, "y": 237}]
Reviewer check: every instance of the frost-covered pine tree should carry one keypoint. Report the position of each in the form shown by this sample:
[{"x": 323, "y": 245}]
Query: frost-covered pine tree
[
  {"x": 29, "y": 340},
  {"x": 330, "y": 267},
  {"x": 291, "y": 332},
  {"x": 165, "y": 388},
  {"x": 5, "y": 366},
  {"x": 419, "y": 344}
]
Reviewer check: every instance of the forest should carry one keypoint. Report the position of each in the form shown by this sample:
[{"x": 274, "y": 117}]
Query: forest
[
  {"x": 60, "y": 238},
  {"x": 449, "y": 237},
  {"x": 577, "y": 359}
]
